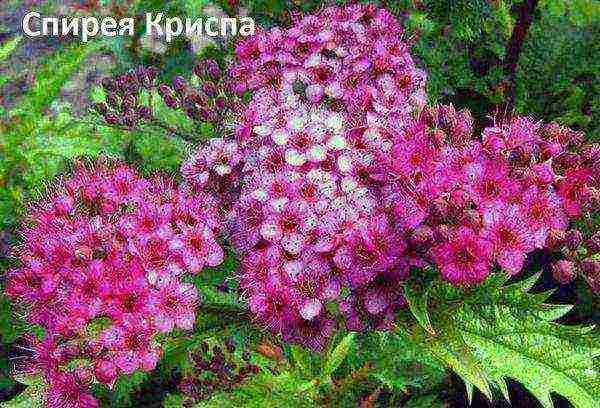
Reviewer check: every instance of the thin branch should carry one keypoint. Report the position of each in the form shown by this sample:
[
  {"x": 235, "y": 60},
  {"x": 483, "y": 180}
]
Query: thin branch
[
  {"x": 156, "y": 123},
  {"x": 173, "y": 130},
  {"x": 514, "y": 47},
  {"x": 225, "y": 309}
]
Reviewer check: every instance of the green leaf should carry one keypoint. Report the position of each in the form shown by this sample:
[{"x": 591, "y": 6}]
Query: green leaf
[
  {"x": 417, "y": 303},
  {"x": 425, "y": 401},
  {"x": 543, "y": 356},
  {"x": 400, "y": 362},
  {"x": 302, "y": 360},
  {"x": 32, "y": 397},
  {"x": 337, "y": 356},
  {"x": 514, "y": 336},
  {"x": 32, "y": 381},
  {"x": 552, "y": 312},
  {"x": 265, "y": 390},
  {"x": 456, "y": 354},
  {"x": 526, "y": 284},
  {"x": 9, "y": 47},
  {"x": 126, "y": 385}
]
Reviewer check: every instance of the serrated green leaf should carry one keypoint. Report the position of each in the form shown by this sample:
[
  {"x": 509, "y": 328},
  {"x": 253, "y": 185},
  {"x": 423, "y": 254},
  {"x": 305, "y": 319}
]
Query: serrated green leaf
[
  {"x": 515, "y": 337},
  {"x": 31, "y": 397},
  {"x": 552, "y": 312},
  {"x": 417, "y": 303},
  {"x": 457, "y": 355},
  {"x": 338, "y": 354},
  {"x": 526, "y": 284},
  {"x": 9, "y": 47},
  {"x": 470, "y": 391},
  {"x": 541, "y": 355}
]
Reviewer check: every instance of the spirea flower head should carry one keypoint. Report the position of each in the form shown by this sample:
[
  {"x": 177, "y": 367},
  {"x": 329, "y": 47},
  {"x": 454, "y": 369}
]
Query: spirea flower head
[
  {"x": 102, "y": 260},
  {"x": 325, "y": 206},
  {"x": 352, "y": 57},
  {"x": 347, "y": 184},
  {"x": 311, "y": 217}
]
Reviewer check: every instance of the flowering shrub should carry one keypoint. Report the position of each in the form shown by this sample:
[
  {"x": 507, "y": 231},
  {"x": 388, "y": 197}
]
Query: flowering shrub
[
  {"x": 343, "y": 187},
  {"x": 103, "y": 258},
  {"x": 347, "y": 201}
]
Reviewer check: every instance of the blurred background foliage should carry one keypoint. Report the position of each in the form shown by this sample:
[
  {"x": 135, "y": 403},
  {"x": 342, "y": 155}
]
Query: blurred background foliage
[{"x": 46, "y": 85}]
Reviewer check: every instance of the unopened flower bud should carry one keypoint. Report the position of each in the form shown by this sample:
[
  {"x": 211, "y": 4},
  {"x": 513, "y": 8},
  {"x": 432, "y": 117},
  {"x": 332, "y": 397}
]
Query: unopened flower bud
[
  {"x": 108, "y": 84},
  {"x": 191, "y": 112},
  {"x": 198, "y": 71},
  {"x": 573, "y": 239},
  {"x": 209, "y": 89},
  {"x": 164, "y": 90},
  {"x": 204, "y": 114},
  {"x": 563, "y": 271},
  {"x": 140, "y": 73},
  {"x": 593, "y": 243},
  {"x": 220, "y": 103},
  {"x": 214, "y": 71},
  {"x": 152, "y": 73},
  {"x": 170, "y": 101},
  {"x": 590, "y": 269},
  {"x": 130, "y": 76},
  {"x": 198, "y": 99},
  {"x": 179, "y": 84},
  {"x": 144, "y": 112},
  {"x": 111, "y": 119},
  {"x": 120, "y": 85}
]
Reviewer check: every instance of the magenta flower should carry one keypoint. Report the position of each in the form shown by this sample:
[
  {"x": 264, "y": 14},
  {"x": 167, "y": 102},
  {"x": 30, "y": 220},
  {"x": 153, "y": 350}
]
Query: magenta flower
[
  {"x": 131, "y": 343},
  {"x": 110, "y": 246},
  {"x": 510, "y": 236},
  {"x": 369, "y": 252},
  {"x": 66, "y": 390},
  {"x": 198, "y": 248},
  {"x": 543, "y": 211},
  {"x": 464, "y": 259},
  {"x": 289, "y": 225},
  {"x": 575, "y": 190},
  {"x": 175, "y": 306}
]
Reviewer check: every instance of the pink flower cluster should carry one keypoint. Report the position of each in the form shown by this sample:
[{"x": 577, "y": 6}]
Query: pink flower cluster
[
  {"x": 102, "y": 263},
  {"x": 347, "y": 185},
  {"x": 350, "y": 58}
]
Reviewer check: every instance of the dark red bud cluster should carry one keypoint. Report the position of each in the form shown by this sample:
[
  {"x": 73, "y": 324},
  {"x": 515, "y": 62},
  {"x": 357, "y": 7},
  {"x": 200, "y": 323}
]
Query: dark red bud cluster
[
  {"x": 590, "y": 269},
  {"x": 580, "y": 258},
  {"x": 123, "y": 106},
  {"x": 216, "y": 368},
  {"x": 212, "y": 100}
]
